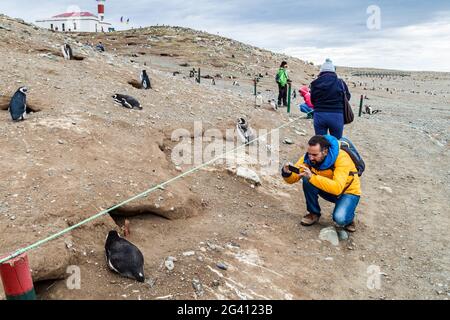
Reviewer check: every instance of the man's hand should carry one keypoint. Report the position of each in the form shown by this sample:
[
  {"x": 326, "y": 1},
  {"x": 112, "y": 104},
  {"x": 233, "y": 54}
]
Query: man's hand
[
  {"x": 306, "y": 172},
  {"x": 286, "y": 168}
]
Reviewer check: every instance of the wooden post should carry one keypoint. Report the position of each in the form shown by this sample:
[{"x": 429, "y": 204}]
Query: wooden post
[
  {"x": 255, "y": 81},
  {"x": 16, "y": 278},
  {"x": 361, "y": 105},
  {"x": 198, "y": 80}
]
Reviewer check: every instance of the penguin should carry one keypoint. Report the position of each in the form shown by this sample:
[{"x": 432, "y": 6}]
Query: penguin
[
  {"x": 273, "y": 104},
  {"x": 18, "y": 104},
  {"x": 145, "y": 80},
  {"x": 127, "y": 101},
  {"x": 245, "y": 133},
  {"x": 67, "y": 52},
  {"x": 124, "y": 257}
]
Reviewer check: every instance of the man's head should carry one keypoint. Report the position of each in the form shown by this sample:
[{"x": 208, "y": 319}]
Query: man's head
[
  {"x": 318, "y": 147},
  {"x": 284, "y": 65}
]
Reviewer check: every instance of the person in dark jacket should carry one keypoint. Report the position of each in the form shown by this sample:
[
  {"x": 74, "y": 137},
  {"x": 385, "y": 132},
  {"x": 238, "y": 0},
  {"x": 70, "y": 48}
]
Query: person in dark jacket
[{"x": 327, "y": 96}]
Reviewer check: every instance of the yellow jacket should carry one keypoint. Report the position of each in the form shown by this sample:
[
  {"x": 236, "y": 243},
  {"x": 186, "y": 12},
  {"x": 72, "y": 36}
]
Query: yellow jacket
[{"x": 333, "y": 181}]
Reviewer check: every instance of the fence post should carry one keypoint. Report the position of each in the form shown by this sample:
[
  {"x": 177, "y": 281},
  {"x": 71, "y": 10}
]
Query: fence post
[
  {"x": 289, "y": 97},
  {"x": 255, "y": 84},
  {"x": 16, "y": 278},
  {"x": 198, "y": 80},
  {"x": 361, "y": 105}
]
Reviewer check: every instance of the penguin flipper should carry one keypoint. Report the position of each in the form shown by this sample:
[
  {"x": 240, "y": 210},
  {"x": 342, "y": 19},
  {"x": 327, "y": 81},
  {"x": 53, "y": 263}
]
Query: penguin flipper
[{"x": 126, "y": 104}]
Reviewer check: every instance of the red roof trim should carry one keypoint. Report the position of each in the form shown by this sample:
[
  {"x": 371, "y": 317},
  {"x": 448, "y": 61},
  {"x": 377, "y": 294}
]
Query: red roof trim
[{"x": 74, "y": 14}]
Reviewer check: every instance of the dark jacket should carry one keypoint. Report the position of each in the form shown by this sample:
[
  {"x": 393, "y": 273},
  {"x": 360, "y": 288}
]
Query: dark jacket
[{"x": 327, "y": 93}]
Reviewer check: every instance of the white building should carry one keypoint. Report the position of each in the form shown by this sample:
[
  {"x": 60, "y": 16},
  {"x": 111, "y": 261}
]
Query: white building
[{"x": 78, "y": 21}]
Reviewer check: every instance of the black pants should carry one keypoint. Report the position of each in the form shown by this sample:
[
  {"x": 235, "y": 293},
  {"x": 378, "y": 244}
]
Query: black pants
[{"x": 282, "y": 95}]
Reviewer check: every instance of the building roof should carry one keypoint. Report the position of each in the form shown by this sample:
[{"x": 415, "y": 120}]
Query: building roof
[{"x": 74, "y": 15}]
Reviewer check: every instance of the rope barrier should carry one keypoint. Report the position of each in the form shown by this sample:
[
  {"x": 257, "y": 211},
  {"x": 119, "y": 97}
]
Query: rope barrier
[{"x": 141, "y": 195}]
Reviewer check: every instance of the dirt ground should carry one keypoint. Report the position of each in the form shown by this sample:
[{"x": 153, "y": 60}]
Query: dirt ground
[{"x": 82, "y": 153}]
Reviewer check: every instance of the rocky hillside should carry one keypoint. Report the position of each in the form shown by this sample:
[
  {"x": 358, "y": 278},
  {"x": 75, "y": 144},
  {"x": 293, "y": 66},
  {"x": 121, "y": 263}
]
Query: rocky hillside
[{"x": 80, "y": 153}]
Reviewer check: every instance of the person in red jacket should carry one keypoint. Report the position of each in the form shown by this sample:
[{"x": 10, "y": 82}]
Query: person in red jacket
[{"x": 306, "y": 107}]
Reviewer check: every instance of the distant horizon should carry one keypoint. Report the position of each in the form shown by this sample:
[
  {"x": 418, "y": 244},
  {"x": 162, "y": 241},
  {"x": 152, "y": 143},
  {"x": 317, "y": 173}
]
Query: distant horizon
[{"x": 407, "y": 35}]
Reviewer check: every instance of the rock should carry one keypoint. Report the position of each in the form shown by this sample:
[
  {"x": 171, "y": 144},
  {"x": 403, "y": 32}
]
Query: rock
[
  {"x": 222, "y": 266},
  {"x": 151, "y": 282},
  {"x": 198, "y": 287},
  {"x": 329, "y": 234},
  {"x": 4, "y": 28},
  {"x": 169, "y": 265},
  {"x": 215, "y": 283},
  {"x": 189, "y": 253},
  {"x": 249, "y": 175},
  {"x": 288, "y": 141},
  {"x": 69, "y": 244},
  {"x": 387, "y": 189},
  {"x": 343, "y": 235}
]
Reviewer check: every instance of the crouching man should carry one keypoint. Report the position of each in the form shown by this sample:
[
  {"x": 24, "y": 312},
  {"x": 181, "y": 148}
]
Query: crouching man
[{"x": 329, "y": 172}]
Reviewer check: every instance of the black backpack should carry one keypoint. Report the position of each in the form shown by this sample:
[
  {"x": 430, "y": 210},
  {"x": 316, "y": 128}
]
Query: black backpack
[{"x": 350, "y": 148}]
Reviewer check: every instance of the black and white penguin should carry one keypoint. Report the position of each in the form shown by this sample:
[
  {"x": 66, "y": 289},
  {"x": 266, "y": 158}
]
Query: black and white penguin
[
  {"x": 244, "y": 132},
  {"x": 67, "y": 52},
  {"x": 18, "y": 104},
  {"x": 124, "y": 257},
  {"x": 145, "y": 80},
  {"x": 127, "y": 101}
]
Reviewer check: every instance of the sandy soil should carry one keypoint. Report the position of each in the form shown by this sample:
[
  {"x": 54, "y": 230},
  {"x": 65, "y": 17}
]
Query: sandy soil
[{"x": 82, "y": 153}]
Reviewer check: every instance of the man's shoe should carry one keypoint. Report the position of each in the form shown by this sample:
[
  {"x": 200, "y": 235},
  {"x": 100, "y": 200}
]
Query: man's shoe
[
  {"x": 310, "y": 219},
  {"x": 351, "y": 227}
]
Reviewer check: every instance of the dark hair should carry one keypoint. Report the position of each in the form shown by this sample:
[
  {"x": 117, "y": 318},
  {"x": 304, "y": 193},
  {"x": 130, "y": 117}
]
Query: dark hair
[
  {"x": 324, "y": 143},
  {"x": 283, "y": 64}
]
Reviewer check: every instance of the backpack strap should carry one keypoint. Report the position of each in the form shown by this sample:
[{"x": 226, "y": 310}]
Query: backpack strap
[{"x": 346, "y": 188}]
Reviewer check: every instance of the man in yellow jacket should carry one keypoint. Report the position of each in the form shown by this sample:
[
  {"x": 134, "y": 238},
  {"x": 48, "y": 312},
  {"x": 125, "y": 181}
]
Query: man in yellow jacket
[{"x": 329, "y": 172}]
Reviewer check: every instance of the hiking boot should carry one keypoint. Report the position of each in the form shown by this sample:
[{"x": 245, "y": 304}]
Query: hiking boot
[
  {"x": 351, "y": 227},
  {"x": 310, "y": 219}
]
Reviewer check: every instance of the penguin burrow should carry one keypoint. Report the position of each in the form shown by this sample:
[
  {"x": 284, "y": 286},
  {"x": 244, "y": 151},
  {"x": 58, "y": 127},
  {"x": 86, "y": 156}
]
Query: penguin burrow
[
  {"x": 30, "y": 105},
  {"x": 143, "y": 83}
]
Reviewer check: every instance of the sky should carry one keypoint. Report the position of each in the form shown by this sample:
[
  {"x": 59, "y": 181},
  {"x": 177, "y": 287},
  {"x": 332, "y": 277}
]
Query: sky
[{"x": 391, "y": 34}]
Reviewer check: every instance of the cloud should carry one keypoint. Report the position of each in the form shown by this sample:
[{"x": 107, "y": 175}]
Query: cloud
[
  {"x": 414, "y": 34},
  {"x": 417, "y": 47}
]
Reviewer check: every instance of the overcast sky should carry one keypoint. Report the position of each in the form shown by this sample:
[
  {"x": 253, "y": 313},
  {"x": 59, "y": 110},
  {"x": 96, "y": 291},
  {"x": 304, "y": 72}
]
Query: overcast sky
[{"x": 410, "y": 34}]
